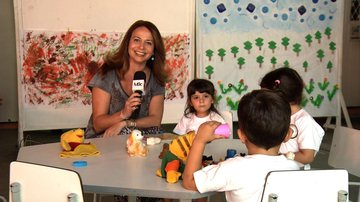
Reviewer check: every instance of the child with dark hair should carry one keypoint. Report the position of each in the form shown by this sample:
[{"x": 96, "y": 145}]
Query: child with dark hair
[
  {"x": 264, "y": 123},
  {"x": 200, "y": 107},
  {"x": 304, "y": 146}
]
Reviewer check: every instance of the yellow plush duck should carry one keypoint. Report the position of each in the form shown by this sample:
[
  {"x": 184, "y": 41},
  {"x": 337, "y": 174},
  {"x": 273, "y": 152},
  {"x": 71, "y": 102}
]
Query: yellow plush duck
[
  {"x": 73, "y": 144},
  {"x": 134, "y": 144},
  {"x": 174, "y": 157}
]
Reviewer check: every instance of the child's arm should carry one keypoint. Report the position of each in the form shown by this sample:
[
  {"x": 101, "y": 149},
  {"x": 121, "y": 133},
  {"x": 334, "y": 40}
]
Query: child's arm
[
  {"x": 305, "y": 156},
  {"x": 193, "y": 163}
]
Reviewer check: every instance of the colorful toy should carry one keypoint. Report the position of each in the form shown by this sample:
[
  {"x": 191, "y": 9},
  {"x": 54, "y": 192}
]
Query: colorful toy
[
  {"x": 174, "y": 157},
  {"x": 223, "y": 130},
  {"x": 134, "y": 144},
  {"x": 71, "y": 139},
  {"x": 73, "y": 144}
]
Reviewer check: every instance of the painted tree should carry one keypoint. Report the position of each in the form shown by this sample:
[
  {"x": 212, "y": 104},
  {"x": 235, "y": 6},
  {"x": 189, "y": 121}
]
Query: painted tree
[
  {"x": 260, "y": 60},
  {"x": 328, "y": 32},
  {"x": 259, "y": 42},
  {"x": 332, "y": 47},
  {"x": 273, "y": 61},
  {"x": 308, "y": 39},
  {"x": 221, "y": 53},
  {"x": 329, "y": 66},
  {"x": 297, "y": 48},
  {"x": 209, "y": 53},
  {"x": 209, "y": 70},
  {"x": 272, "y": 46},
  {"x": 240, "y": 62},
  {"x": 285, "y": 42},
  {"x": 286, "y": 63},
  {"x": 320, "y": 54},
  {"x": 248, "y": 46},
  {"x": 305, "y": 65},
  {"x": 234, "y": 50},
  {"x": 318, "y": 36}
]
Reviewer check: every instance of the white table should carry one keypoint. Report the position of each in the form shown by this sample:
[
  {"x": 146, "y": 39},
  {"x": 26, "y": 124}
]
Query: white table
[{"x": 114, "y": 172}]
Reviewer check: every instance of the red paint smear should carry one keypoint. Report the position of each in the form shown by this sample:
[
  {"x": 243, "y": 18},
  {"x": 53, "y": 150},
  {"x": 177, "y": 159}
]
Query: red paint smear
[
  {"x": 67, "y": 38},
  {"x": 33, "y": 54}
]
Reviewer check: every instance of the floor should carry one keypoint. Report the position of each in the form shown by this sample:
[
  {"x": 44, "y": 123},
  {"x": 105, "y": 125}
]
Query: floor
[{"x": 9, "y": 149}]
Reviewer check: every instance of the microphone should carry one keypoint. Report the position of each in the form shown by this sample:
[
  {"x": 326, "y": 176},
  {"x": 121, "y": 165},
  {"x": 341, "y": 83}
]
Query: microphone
[{"x": 138, "y": 86}]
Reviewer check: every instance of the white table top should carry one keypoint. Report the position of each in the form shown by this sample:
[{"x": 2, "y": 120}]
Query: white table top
[{"x": 114, "y": 172}]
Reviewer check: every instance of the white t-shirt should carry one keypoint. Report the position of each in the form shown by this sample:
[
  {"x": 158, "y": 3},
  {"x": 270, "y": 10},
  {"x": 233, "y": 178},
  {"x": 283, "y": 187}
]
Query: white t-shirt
[
  {"x": 193, "y": 122},
  {"x": 310, "y": 133},
  {"x": 242, "y": 178}
]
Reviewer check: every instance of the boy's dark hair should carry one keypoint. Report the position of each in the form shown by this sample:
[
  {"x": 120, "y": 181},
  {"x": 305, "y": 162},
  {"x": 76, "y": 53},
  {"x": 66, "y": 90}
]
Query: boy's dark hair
[
  {"x": 202, "y": 86},
  {"x": 286, "y": 80},
  {"x": 264, "y": 117}
]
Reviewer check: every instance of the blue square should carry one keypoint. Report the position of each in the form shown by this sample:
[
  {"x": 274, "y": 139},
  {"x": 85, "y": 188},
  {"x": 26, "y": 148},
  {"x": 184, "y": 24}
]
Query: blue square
[
  {"x": 250, "y": 7},
  {"x": 221, "y": 8},
  {"x": 302, "y": 10}
]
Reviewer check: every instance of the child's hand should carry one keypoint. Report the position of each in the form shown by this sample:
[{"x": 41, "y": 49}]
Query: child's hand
[{"x": 206, "y": 131}]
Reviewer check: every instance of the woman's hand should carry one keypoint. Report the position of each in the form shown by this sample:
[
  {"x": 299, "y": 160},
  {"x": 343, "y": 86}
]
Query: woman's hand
[
  {"x": 114, "y": 129},
  {"x": 131, "y": 104}
]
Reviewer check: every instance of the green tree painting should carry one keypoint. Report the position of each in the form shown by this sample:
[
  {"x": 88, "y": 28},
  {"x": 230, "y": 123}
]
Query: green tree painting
[
  {"x": 297, "y": 49},
  {"x": 308, "y": 39},
  {"x": 305, "y": 65},
  {"x": 240, "y": 62},
  {"x": 286, "y": 63},
  {"x": 320, "y": 54},
  {"x": 260, "y": 60},
  {"x": 285, "y": 42},
  {"x": 221, "y": 53},
  {"x": 259, "y": 42},
  {"x": 329, "y": 66},
  {"x": 332, "y": 47},
  {"x": 248, "y": 46},
  {"x": 234, "y": 50},
  {"x": 328, "y": 32},
  {"x": 273, "y": 61},
  {"x": 318, "y": 36},
  {"x": 209, "y": 53},
  {"x": 209, "y": 70},
  {"x": 272, "y": 46}
]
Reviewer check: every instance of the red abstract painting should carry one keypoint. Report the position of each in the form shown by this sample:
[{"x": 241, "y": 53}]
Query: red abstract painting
[{"x": 56, "y": 67}]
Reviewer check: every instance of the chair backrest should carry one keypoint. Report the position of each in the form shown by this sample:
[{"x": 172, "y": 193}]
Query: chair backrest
[
  {"x": 33, "y": 182},
  {"x": 306, "y": 185},
  {"x": 228, "y": 117},
  {"x": 345, "y": 149}
]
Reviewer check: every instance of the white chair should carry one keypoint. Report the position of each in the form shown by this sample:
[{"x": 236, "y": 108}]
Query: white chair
[
  {"x": 33, "y": 182},
  {"x": 228, "y": 117},
  {"x": 344, "y": 152},
  {"x": 306, "y": 185}
]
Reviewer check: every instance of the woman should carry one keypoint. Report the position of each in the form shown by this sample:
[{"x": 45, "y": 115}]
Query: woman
[{"x": 113, "y": 100}]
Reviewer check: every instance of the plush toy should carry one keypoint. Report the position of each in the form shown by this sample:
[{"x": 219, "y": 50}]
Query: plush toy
[
  {"x": 73, "y": 144},
  {"x": 174, "y": 157},
  {"x": 134, "y": 144},
  {"x": 71, "y": 139}
]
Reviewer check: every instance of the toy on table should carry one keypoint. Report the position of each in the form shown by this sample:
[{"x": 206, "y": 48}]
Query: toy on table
[
  {"x": 134, "y": 144},
  {"x": 223, "y": 130},
  {"x": 153, "y": 140},
  {"x": 73, "y": 144},
  {"x": 174, "y": 156}
]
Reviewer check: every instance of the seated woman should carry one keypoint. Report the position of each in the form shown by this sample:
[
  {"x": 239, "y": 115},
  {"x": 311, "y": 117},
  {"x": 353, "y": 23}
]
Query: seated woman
[{"x": 116, "y": 109}]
